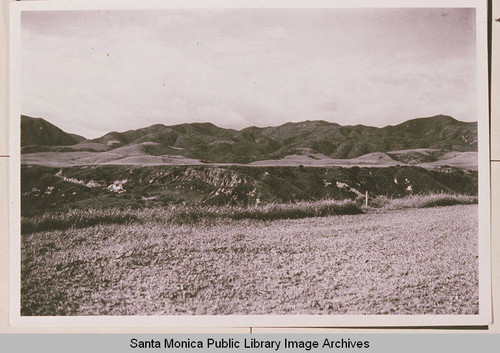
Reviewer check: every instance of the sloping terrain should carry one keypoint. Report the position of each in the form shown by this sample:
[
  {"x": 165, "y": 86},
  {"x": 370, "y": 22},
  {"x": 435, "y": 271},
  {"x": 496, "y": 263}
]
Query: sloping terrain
[
  {"x": 298, "y": 142},
  {"x": 45, "y": 188},
  {"x": 36, "y": 131}
]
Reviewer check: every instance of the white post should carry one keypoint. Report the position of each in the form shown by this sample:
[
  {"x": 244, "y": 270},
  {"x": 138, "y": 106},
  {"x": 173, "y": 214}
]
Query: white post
[{"x": 366, "y": 198}]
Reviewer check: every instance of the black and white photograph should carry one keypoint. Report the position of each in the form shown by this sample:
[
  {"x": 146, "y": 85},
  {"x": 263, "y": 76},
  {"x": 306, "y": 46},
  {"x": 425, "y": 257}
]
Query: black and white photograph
[{"x": 277, "y": 162}]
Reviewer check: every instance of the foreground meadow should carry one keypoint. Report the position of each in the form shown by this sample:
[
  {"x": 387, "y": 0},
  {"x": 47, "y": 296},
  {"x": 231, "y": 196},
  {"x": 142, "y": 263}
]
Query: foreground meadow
[{"x": 395, "y": 261}]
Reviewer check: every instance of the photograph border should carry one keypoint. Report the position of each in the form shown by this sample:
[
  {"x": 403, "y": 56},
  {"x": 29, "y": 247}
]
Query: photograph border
[{"x": 483, "y": 318}]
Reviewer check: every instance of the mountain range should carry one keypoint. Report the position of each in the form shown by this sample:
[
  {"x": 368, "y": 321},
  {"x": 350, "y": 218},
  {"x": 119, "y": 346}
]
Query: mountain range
[{"x": 429, "y": 138}]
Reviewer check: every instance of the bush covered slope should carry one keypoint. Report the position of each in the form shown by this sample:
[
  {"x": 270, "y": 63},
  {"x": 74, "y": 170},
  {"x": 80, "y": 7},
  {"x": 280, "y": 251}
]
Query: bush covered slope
[
  {"x": 122, "y": 187},
  {"x": 209, "y": 143}
]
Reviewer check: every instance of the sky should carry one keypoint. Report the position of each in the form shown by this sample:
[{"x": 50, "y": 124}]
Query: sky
[{"x": 92, "y": 72}]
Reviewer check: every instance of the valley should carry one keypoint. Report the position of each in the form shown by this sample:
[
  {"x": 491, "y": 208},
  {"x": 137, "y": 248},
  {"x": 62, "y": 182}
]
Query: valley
[{"x": 161, "y": 220}]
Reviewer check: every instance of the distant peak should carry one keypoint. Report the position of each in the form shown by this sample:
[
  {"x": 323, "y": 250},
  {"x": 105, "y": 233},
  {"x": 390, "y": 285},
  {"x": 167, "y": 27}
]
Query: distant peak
[
  {"x": 311, "y": 123},
  {"x": 444, "y": 117},
  {"x": 441, "y": 117}
]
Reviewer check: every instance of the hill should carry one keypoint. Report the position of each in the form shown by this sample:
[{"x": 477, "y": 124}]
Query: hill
[
  {"x": 37, "y": 131},
  {"x": 208, "y": 143}
]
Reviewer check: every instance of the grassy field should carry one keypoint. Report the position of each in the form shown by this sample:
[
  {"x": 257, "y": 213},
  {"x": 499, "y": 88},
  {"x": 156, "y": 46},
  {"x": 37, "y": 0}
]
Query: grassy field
[{"x": 396, "y": 260}]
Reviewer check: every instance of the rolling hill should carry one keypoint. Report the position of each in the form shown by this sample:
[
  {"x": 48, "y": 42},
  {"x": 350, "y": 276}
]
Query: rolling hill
[{"x": 287, "y": 144}]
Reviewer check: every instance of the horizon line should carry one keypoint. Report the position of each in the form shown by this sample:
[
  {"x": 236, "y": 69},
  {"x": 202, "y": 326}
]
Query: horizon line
[{"x": 248, "y": 127}]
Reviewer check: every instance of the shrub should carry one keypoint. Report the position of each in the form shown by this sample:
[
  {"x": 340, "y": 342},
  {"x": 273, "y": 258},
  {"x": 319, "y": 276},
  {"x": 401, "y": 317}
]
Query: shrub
[
  {"x": 432, "y": 200},
  {"x": 379, "y": 201}
]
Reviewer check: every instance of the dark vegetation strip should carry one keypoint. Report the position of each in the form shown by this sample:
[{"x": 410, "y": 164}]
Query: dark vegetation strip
[
  {"x": 267, "y": 212},
  {"x": 422, "y": 201},
  {"x": 78, "y": 219},
  {"x": 198, "y": 214},
  {"x": 186, "y": 215}
]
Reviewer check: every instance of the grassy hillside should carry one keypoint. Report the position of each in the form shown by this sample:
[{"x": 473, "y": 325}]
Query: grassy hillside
[{"x": 44, "y": 188}]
